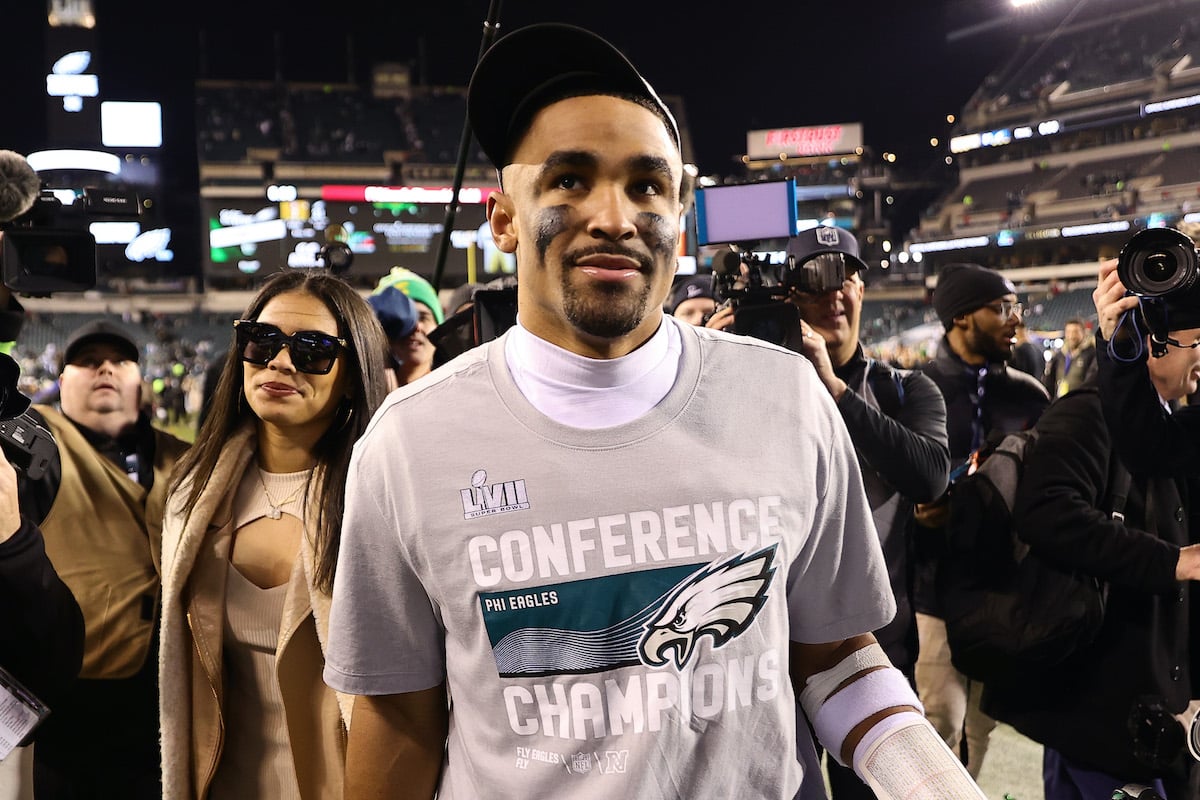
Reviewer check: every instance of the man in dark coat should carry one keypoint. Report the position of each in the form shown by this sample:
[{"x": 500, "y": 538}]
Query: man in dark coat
[
  {"x": 896, "y": 419},
  {"x": 1162, "y": 442},
  {"x": 984, "y": 396},
  {"x": 1080, "y": 709}
]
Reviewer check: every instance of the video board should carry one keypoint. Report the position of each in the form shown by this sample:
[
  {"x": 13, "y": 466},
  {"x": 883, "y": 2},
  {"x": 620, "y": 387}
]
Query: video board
[{"x": 248, "y": 238}]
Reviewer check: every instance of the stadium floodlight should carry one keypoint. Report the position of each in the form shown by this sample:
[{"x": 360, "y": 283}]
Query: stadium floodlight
[{"x": 1024, "y": 3}]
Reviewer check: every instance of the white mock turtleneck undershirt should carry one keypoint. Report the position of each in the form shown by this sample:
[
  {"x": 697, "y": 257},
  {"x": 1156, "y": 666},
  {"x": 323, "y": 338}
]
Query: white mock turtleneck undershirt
[{"x": 593, "y": 392}]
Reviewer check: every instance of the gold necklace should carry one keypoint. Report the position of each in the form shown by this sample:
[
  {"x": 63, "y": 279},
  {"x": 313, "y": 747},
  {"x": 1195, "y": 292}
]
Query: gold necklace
[{"x": 276, "y": 511}]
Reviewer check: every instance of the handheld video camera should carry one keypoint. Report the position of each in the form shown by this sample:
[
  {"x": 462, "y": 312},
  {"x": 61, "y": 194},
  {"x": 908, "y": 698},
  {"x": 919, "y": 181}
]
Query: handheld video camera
[
  {"x": 817, "y": 260},
  {"x": 27, "y": 445},
  {"x": 50, "y": 249},
  {"x": 1162, "y": 266}
]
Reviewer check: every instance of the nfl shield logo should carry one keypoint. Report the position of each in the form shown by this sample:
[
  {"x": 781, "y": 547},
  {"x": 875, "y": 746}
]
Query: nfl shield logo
[{"x": 828, "y": 236}]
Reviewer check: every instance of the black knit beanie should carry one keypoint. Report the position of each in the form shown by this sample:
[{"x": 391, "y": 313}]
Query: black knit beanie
[{"x": 962, "y": 288}]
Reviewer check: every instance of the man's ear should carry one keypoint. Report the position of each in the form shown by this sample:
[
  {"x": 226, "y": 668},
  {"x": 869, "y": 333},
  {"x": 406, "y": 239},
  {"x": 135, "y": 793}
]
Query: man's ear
[{"x": 501, "y": 216}]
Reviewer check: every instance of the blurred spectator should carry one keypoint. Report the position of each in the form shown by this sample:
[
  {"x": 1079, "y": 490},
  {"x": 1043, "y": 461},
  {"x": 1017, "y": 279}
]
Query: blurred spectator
[
  {"x": 398, "y": 316},
  {"x": 101, "y": 514},
  {"x": 413, "y": 353},
  {"x": 1027, "y": 354},
  {"x": 693, "y": 299},
  {"x": 1074, "y": 363}
]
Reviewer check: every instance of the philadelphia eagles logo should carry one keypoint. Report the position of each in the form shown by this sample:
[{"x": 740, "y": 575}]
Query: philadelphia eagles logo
[{"x": 719, "y": 601}]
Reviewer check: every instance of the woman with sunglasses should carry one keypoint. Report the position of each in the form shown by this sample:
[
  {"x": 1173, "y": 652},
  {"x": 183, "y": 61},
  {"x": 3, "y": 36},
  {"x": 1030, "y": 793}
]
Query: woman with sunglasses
[{"x": 250, "y": 542}]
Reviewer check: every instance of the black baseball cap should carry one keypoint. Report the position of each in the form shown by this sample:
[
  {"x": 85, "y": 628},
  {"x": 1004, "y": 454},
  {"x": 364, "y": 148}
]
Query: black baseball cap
[
  {"x": 105, "y": 330},
  {"x": 537, "y": 65},
  {"x": 808, "y": 244}
]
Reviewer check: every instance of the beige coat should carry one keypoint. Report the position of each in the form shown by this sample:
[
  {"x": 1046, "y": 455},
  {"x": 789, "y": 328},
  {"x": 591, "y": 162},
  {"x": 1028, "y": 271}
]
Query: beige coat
[{"x": 195, "y": 559}]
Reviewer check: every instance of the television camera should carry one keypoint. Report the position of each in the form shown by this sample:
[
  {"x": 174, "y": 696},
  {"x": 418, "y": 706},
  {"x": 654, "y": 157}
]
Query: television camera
[
  {"x": 45, "y": 244},
  {"x": 817, "y": 260}
]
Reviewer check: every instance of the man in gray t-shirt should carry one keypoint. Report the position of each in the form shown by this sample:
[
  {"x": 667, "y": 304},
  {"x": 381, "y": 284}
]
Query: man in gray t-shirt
[{"x": 602, "y": 555}]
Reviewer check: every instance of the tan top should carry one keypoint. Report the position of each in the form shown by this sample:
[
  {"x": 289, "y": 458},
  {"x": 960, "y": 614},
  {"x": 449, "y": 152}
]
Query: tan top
[{"x": 257, "y": 759}]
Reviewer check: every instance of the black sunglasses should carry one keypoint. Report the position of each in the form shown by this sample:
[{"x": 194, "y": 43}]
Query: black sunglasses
[{"x": 311, "y": 351}]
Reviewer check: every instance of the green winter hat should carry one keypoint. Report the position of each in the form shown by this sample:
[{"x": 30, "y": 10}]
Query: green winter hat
[{"x": 413, "y": 285}]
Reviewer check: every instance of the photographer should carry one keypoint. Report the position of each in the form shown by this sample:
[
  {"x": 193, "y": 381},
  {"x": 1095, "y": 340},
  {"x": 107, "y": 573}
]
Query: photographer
[
  {"x": 41, "y": 642},
  {"x": 1157, "y": 439},
  {"x": 897, "y": 422},
  {"x": 896, "y": 419},
  {"x": 100, "y": 507},
  {"x": 1081, "y": 709},
  {"x": 1148, "y": 438}
]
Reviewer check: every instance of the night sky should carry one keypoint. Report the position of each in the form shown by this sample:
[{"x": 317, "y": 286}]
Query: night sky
[{"x": 737, "y": 66}]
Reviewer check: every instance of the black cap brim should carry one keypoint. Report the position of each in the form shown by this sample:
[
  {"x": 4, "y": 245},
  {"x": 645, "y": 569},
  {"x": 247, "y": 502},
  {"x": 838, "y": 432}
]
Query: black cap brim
[{"x": 533, "y": 66}]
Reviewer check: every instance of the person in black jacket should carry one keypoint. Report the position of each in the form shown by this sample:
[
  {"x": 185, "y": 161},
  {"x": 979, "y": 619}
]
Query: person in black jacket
[
  {"x": 1148, "y": 438},
  {"x": 1080, "y": 709},
  {"x": 897, "y": 421},
  {"x": 1074, "y": 364},
  {"x": 984, "y": 397},
  {"x": 1028, "y": 355},
  {"x": 41, "y": 638},
  {"x": 1153, "y": 438}
]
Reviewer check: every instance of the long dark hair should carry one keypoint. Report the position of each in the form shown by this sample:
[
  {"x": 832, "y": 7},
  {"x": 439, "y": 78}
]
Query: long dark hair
[{"x": 366, "y": 365}]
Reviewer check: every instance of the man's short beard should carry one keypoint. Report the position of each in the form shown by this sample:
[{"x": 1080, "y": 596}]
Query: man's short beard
[
  {"x": 986, "y": 346},
  {"x": 604, "y": 312}
]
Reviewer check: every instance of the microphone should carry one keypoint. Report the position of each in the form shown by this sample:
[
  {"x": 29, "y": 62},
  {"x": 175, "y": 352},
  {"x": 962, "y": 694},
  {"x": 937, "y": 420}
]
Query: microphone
[
  {"x": 20, "y": 186},
  {"x": 731, "y": 263}
]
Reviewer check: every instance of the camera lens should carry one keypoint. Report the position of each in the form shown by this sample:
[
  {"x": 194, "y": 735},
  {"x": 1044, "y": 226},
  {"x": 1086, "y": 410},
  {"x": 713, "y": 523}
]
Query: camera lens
[
  {"x": 1159, "y": 267},
  {"x": 1158, "y": 262}
]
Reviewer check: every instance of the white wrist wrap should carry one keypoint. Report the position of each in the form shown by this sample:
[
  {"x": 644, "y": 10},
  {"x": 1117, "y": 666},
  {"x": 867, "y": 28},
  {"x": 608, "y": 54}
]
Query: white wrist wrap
[
  {"x": 902, "y": 757},
  {"x": 862, "y": 697},
  {"x": 819, "y": 686}
]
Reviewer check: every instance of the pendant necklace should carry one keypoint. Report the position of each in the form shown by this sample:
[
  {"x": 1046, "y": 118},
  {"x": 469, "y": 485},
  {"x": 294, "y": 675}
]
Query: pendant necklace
[{"x": 276, "y": 511}]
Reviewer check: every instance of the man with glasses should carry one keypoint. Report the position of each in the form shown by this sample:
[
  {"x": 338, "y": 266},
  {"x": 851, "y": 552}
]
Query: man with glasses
[
  {"x": 100, "y": 508},
  {"x": 1103, "y": 717},
  {"x": 897, "y": 422},
  {"x": 984, "y": 398}
]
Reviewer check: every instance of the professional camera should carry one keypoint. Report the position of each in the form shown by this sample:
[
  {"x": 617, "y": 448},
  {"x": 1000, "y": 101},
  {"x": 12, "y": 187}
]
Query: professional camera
[
  {"x": 742, "y": 215},
  {"x": 50, "y": 249},
  {"x": 1161, "y": 265},
  {"x": 492, "y": 311},
  {"x": 818, "y": 261},
  {"x": 27, "y": 445},
  {"x": 1160, "y": 262}
]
